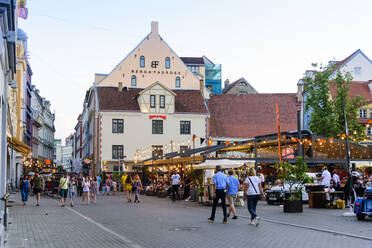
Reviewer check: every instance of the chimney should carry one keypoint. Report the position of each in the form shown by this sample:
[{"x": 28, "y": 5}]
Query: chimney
[
  {"x": 370, "y": 86},
  {"x": 154, "y": 27},
  {"x": 227, "y": 81},
  {"x": 120, "y": 86},
  {"x": 202, "y": 86}
]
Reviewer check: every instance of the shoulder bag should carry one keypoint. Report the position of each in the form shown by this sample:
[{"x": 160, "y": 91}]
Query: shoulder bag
[{"x": 258, "y": 195}]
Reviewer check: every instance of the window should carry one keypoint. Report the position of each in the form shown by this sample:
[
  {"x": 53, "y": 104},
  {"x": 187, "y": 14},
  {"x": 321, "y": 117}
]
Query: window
[
  {"x": 117, "y": 126},
  {"x": 117, "y": 151},
  {"x": 142, "y": 61},
  {"x": 185, "y": 127},
  {"x": 357, "y": 71},
  {"x": 242, "y": 84},
  {"x": 178, "y": 82},
  {"x": 362, "y": 113},
  {"x": 183, "y": 150},
  {"x": 133, "y": 81},
  {"x": 157, "y": 151},
  {"x": 194, "y": 69},
  {"x": 157, "y": 126},
  {"x": 152, "y": 101},
  {"x": 162, "y": 101},
  {"x": 167, "y": 63},
  {"x": 369, "y": 130}
]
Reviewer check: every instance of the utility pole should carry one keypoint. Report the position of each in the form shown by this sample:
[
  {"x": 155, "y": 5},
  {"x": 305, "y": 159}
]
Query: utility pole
[{"x": 347, "y": 152}]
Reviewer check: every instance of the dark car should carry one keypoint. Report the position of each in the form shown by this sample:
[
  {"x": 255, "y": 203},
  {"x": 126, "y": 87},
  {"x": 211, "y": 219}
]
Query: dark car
[{"x": 276, "y": 195}]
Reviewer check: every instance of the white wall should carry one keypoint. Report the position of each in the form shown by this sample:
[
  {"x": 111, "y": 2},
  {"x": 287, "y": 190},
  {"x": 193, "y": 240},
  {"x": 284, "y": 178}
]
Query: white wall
[
  {"x": 138, "y": 132},
  {"x": 359, "y": 61}
]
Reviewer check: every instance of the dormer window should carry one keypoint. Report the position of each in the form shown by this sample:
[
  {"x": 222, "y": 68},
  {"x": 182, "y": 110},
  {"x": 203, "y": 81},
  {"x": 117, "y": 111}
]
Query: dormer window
[
  {"x": 178, "y": 82},
  {"x": 142, "y": 61},
  {"x": 152, "y": 101},
  {"x": 133, "y": 81},
  {"x": 167, "y": 63}
]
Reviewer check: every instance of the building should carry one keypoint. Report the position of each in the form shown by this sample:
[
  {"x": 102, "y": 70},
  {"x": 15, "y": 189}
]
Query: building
[
  {"x": 205, "y": 69},
  {"x": 8, "y": 28},
  {"x": 151, "y": 103},
  {"x": 240, "y": 86},
  {"x": 77, "y": 149},
  {"x": 57, "y": 152},
  {"x": 360, "y": 67},
  {"x": 242, "y": 117},
  {"x": 67, "y": 153}
]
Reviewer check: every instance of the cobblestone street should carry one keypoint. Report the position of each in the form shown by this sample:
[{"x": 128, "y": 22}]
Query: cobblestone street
[{"x": 161, "y": 223}]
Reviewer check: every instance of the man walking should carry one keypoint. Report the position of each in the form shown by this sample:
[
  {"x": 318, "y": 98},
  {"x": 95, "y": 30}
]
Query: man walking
[
  {"x": 63, "y": 188},
  {"x": 175, "y": 183},
  {"x": 80, "y": 181},
  {"x": 220, "y": 183},
  {"x": 38, "y": 186},
  {"x": 232, "y": 191}
]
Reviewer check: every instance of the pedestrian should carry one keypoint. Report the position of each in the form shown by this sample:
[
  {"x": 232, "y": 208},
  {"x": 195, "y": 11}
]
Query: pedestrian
[
  {"x": 63, "y": 188},
  {"x": 114, "y": 186},
  {"x": 98, "y": 183},
  {"x": 232, "y": 191},
  {"x": 108, "y": 185},
  {"x": 138, "y": 186},
  {"x": 128, "y": 186},
  {"x": 336, "y": 179},
  {"x": 80, "y": 181},
  {"x": 86, "y": 187},
  {"x": 220, "y": 183},
  {"x": 252, "y": 191},
  {"x": 25, "y": 188},
  {"x": 186, "y": 192},
  {"x": 175, "y": 184},
  {"x": 326, "y": 177},
  {"x": 72, "y": 190},
  {"x": 38, "y": 184},
  {"x": 94, "y": 187}
]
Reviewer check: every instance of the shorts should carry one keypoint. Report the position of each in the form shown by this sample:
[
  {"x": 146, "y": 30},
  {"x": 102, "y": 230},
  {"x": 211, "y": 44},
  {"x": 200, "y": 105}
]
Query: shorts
[
  {"x": 37, "y": 191},
  {"x": 128, "y": 187},
  {"x": 231, "y": 198},
  {"x": 64, "y": 193},
  {"x": 71, "y": 194}
]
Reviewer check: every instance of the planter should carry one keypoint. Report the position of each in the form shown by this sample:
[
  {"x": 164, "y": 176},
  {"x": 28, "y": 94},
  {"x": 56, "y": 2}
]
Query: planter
[{"x": 292, "y": 206}]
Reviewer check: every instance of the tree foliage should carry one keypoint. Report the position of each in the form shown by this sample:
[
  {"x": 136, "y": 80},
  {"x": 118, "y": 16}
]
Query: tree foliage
[{"x": 327, "y": 111}]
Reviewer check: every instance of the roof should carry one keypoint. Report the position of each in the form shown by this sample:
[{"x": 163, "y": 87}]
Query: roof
[
  {"x": 111, "y": 99},
  {"x": 232, "y": 85},
  {"x": 357, "y": 88},
  {"x": 193, "y": 60},
  {"x": 339, "y": 64},
  {"x": 248, "y": 116}
]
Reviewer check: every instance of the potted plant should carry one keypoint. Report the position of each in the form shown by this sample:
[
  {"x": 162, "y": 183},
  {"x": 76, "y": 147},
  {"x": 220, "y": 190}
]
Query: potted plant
[{"x": 294, "y": 175}]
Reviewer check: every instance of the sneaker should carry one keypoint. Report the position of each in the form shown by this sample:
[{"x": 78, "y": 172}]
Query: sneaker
[
  {"x": 210, "y": 219},
  {"x": 235, "y": 217},
  {"x": 257, "y": 221},
  {"x": 37, "y": 205},
  {"x": 224, "y": 221},
  {"x": 252, "y": 222},
  {"x": 228, "y": 216}
]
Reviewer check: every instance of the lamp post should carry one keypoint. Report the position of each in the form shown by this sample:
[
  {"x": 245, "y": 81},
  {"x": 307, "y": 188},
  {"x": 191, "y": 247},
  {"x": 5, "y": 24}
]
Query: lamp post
[{"x": 347, "y": 152}]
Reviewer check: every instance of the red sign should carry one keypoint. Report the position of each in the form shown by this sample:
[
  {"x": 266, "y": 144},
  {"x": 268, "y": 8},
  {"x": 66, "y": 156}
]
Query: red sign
[
  {"x": 158, "y": 116},
  {"x": 47, "y": 162}
]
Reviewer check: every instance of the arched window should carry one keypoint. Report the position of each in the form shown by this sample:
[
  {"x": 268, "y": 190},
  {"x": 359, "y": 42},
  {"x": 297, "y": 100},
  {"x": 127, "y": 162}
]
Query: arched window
[
  {"x": 142, "y": 61},
  {"x": 167, "y": 63},
  {"x": 178, "y": 82},
  {"x": 133, "y": 81}
]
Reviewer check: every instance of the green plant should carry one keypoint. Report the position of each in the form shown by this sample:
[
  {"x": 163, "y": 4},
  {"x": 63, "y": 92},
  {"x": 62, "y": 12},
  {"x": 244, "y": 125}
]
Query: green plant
[
  {"x": 196, "y": 176},
  {"x": 295, "y": 176},
  {"x": 201, "y": 191}
]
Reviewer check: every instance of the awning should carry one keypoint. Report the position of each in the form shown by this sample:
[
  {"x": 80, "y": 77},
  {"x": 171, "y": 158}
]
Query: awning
[
  {"x": 224, "y": 163},
  {"x": 19, "y": 146}
]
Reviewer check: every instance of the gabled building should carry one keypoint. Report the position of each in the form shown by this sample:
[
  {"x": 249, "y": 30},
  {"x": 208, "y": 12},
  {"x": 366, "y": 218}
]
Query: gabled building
[{"x": 239, "y": 87}]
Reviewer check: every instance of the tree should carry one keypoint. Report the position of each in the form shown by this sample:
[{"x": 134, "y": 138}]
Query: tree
[{"x": 327, "y": 113}]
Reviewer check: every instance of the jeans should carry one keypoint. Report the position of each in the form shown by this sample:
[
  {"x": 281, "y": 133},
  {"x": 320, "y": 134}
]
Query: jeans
[
  {"x": 220, "y": 194},
  {"x": 174, "y": 192},
  {"x": 79, "y": 191},
  {"x": 252, "y": 204}
]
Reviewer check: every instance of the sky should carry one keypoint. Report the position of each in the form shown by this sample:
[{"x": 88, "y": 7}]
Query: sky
[{"x": 270, "y": 43}]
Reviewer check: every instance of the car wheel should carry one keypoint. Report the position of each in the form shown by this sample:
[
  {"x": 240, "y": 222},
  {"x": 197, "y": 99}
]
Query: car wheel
[{"x": 360, "y": 216}]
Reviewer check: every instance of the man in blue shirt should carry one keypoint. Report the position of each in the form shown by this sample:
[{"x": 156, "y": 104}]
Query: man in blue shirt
[
  {"x": 232, "y": 191},
  {"x": 98, "y": 183},
  {"x": 220, "y": 184}
]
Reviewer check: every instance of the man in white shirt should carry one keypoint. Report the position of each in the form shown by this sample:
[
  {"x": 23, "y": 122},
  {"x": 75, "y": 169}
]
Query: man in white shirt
[
  {"x": 336, "y": 178},
  {"x": 175, "y": 183},
  {"x": 326, "y": 177}
]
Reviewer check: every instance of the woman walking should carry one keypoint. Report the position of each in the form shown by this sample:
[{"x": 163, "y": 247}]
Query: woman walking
[
  {"x": 108, "y": 185},
  {"x": 72, "y": 190},
  {"x": 86, "y": 186},
  {"x": 94, "y": 189},
  {"x": 128, "y": 187},
  {"x": 137, "y": 185},
  {"x": 252, "y": 191},
  {"x": 25, "y": 188}
]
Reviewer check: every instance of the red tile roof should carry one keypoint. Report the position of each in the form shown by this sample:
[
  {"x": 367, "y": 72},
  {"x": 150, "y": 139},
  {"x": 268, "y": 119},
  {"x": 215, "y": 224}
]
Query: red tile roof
[
  {"x": 357, "y": 88},
  {"x": 247, "y": 116},
  {"x": 111, "y": 99}
]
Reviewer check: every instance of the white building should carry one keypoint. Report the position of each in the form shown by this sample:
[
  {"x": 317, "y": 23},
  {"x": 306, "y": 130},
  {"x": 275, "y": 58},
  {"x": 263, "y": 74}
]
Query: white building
[{"x": 148, "y": 105}]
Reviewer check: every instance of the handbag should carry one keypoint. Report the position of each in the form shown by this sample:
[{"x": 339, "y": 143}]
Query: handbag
[{"x": 258, "y": 195}]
